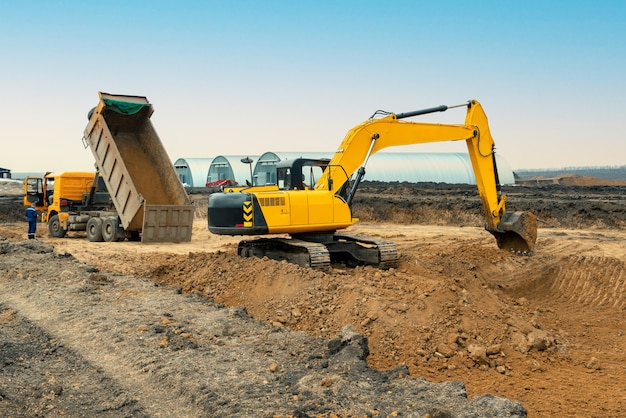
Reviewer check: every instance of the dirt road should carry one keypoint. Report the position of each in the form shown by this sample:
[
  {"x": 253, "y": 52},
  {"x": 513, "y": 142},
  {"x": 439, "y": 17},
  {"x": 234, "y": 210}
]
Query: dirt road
[{"x": 546, "y": 330}]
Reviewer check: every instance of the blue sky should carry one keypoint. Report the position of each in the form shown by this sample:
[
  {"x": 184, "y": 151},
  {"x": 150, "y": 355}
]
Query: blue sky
[{"x": 245, "y": 77}]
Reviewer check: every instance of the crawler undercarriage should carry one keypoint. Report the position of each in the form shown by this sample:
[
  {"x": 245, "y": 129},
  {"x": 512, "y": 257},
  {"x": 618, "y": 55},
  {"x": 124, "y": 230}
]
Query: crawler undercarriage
[{"x": 318, "y": 251}]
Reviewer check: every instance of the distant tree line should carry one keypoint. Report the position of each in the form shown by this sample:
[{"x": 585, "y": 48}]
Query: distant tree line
[{"x": 605, "y": 173}]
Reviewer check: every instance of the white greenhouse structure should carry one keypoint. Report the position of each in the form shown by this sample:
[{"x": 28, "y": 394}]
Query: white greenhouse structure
[
  {"x": 413, "y": 167},
  {"x": 192, "y": 172},
  {"x": 231, "y": 167}
]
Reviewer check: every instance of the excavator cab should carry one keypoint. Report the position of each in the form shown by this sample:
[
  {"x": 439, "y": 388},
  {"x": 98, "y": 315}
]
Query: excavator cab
[{"x": 300, "y": 173}]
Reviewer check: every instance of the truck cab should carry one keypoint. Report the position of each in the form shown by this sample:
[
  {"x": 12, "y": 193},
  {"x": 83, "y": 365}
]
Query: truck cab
[{"x": 57, "y": 195}]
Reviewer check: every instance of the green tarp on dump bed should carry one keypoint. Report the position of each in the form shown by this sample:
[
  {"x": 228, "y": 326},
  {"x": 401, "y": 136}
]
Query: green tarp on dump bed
[{"x": 124, "y": 108}]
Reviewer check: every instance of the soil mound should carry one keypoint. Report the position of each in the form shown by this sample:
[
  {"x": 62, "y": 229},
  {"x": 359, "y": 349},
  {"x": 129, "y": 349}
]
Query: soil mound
[{"x": 120, "y": 345}]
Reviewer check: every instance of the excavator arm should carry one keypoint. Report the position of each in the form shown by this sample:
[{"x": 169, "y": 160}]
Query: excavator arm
[{"x": 514, "y": 231}]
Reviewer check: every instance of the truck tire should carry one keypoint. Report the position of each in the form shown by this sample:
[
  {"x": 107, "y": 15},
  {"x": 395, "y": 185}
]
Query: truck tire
[
  {"x": 94, "y": 229},
  {"x": 55, "y": 228},
  {"x": 109, "y": 229}
]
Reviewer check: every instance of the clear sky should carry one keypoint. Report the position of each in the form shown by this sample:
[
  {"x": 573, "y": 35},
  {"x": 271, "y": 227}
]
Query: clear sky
[{"x": 245, "y": 77}]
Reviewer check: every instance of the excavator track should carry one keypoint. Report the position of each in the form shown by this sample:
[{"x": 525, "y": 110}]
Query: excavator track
[
  {"x": 303, "y": 253},
  {"x": 371, "y": 251},
  {"x": 318, "y": 250}
]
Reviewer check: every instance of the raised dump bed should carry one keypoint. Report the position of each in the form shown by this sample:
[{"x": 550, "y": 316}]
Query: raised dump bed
[{"x": 139, "y": 175}]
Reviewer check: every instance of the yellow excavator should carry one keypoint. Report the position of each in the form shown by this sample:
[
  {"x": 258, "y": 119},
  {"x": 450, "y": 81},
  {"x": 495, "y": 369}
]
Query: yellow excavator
[{"x": 312, "y": 198}]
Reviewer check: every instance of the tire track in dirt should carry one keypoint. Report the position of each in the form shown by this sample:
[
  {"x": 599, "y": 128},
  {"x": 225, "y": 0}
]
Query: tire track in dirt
[
  {"x": 572, "y": 280},
  {"x": 585, "y": 268},
  {"x": 594, "y": 281},
  {"x": 62, "y": 315}
]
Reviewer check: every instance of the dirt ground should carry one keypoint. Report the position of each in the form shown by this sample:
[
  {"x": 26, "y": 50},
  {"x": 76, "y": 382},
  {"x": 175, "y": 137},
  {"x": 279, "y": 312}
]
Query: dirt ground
[{"x": 546, "y": 331}]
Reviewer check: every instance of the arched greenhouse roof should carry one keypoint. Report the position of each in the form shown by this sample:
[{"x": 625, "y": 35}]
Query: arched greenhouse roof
[
  {"x": 454, "y": 168},
  {"x": 192, "y": 171},
  {"x": 392, "y": 166},
  {"x": 230, "y": 167}
]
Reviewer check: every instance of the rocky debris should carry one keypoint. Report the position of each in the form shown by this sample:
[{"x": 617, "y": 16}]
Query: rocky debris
[
  {"x": 593, "y": 364},
  {"x": 29, "y": 245},
  {"x": 185, "y": 354}
]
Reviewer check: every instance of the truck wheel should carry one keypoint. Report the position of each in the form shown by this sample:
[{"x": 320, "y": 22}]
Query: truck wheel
[
  {"x": 94, "y": 229},
  {"x": 109, "y": 229},
  {"x": 55, "y": 228}
]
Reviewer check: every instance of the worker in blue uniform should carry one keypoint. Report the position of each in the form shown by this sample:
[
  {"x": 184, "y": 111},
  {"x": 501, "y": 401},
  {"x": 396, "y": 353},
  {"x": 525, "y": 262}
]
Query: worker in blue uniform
[{"x": 31, "y": 215}]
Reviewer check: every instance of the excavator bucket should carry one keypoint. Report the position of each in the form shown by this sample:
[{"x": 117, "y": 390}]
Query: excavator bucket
[{"x": 517, "y": 232}]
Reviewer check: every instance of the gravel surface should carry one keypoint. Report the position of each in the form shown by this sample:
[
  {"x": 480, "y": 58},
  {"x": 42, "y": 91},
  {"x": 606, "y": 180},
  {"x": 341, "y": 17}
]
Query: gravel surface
[{"x": 79, "y": 342}]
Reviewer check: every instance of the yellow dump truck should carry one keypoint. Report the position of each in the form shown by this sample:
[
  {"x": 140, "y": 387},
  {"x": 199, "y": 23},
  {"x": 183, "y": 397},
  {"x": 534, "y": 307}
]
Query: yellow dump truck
[{"x": 135, "y": 192}]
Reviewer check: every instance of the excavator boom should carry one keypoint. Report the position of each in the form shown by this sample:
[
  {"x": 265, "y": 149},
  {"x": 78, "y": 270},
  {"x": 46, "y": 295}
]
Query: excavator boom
[
  {"x": 514, "y": 231},
  {"x": 312, "y": 215}
]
